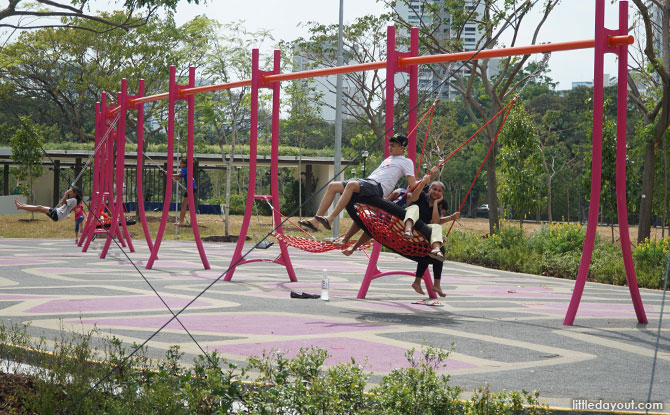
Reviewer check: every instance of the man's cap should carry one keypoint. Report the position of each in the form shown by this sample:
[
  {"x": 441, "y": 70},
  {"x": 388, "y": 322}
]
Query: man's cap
[{"x": 400, "y": 139}]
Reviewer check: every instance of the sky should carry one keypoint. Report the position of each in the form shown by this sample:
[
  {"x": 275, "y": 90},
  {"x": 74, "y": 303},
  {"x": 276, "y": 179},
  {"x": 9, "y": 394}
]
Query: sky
[{"x": 571, "y": 20}]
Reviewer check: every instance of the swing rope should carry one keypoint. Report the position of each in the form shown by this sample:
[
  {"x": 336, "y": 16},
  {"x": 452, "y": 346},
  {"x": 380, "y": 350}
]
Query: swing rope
[
  {"x": 493, "y": 142},
  {"x": 387, "y": 229}
]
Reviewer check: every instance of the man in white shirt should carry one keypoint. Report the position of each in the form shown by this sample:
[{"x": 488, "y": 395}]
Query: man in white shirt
[{"x": 380, "y": 183}]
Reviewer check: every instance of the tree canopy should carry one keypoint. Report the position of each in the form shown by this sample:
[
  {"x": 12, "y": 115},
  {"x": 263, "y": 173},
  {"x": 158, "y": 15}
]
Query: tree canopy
[{"x": 39, "y": 14}]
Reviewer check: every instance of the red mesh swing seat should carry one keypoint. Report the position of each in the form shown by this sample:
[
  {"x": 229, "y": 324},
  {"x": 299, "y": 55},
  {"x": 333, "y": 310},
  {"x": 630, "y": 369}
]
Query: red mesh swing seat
[
  {"x": 311, "y": 245},
  {"x": 387, "y": 229}
]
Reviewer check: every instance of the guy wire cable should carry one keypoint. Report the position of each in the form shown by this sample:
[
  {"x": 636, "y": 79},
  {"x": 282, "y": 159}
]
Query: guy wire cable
[{"x": 658, "y": 333}]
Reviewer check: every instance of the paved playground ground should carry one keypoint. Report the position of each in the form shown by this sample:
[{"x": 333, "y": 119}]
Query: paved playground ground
[{"x": 506, "y": 329}]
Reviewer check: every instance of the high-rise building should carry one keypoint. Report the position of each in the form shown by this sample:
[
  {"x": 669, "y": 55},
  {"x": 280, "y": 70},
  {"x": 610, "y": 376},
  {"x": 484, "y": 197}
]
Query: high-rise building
[
  {"x": 324, "y": 95},
  {"x": 420, "y": 13}
]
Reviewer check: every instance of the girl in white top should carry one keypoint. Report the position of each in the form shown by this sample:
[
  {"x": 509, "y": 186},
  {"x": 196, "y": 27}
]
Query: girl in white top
[
  {"x": 380, "y": 183},
  {"x": 71, "y": 198}
]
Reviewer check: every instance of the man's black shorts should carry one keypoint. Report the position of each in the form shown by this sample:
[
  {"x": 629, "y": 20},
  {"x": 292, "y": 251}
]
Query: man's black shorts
[{"x": 368, "y": 187}]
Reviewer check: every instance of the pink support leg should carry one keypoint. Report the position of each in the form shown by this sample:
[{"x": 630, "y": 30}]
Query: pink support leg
[
  {"x": 622, "y": 210},
  {"x": 172, "y": 98},
  {"x": 256, "y": 84},
  {"x": 602, "y": 47},
  {"x": 189, "y": 154},
  {"x": 372, "y": 272},
  {"x": 117, "y": 189},
  {"x": 140, "y": 166}
]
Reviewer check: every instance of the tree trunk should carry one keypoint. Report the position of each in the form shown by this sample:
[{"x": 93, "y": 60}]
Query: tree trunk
[
  {"x": 492, "y": 192},
  {"x": 550, "y": 217},
  {"x": 665, "y": 186},
  {"x": 648, "y": 175}
]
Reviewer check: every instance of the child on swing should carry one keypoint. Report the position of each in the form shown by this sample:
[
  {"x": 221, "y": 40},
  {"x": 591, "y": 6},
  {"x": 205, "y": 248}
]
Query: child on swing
[{"x": 71, "y": 198}]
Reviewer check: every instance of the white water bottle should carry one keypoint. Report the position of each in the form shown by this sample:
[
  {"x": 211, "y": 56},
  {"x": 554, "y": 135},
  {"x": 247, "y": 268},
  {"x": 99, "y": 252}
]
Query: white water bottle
[{"x": 324, "y": 285}]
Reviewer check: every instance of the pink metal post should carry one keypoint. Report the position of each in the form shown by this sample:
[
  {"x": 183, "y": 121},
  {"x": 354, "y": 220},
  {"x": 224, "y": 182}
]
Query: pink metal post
[
  {"x": 89, "y": 226},
  {"x": 372, "y": 272},
  {"x": 101, "y": 170},
  {"x": 117, "y": 188},
  {"x": 189, "y": 155},
  {"x": 173, "y": 97},
  {"x": 602, "y": 47},
  {"x": 256, "y": 84},
  {"x": 140, "y": 163}
]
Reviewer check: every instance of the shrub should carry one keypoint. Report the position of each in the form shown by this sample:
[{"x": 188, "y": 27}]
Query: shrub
[
  {"x": 509, "y": 250},
  {"x": 563, "y": 265},
  {"x": 462, "y": 246},
  {"x": 650, "y": 259},
  {"x": 607, "y": 264},
  {"x": 418, "y": 389},
  {"x": 485, "y": 402},
  {"x": 558, "y": 238}
]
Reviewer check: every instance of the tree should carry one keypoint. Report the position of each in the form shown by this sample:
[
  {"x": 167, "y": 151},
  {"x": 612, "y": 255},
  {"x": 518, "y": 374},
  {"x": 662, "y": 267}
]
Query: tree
[
  {"x": 485, "y": 90},
  {"x": 363, "y": 42},
  {"x": 27, "y": 152},
  {"x": 59, "y": 74},
  {"x": 227, "y": 111},
  {"x": 555, "y": 154},
  {"x": 520, "y": 164},
  {"x": 652, "y": 69},
  {"x": 30, "y": 14},
  {"x": 303, "y": 125}
]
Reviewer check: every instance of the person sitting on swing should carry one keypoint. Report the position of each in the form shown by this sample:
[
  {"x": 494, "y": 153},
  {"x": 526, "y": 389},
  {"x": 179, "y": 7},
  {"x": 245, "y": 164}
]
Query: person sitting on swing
[
  {"x": 400, "y": 197},
  {"x": 431, "y": 216},
  {"x": 428, "y": 206},
  {"x": 71, "y": 198},
  {"x": 379, "y": 183}
]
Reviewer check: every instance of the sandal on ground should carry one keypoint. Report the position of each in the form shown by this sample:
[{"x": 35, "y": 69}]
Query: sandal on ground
[
  {"x": 307, "y": 224},
  {"x": 434, "y": 303},
  {"x": 421, "y": 302},
  {"x": 324, "y": 221},
  {"x": 436, "y": 255}
]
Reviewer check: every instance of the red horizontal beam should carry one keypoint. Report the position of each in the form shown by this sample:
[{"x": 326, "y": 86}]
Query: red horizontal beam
[
  {"x": 518, "y": 50},
  {"x": 612, "y": 41}
]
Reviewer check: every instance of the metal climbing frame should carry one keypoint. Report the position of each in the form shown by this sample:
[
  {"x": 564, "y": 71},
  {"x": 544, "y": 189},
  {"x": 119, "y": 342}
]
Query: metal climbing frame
[{"x": 606, "y": 41}]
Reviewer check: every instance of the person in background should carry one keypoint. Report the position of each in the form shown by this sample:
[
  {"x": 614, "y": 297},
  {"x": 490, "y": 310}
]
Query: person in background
[
  {"x": 78, "y": 219},
  {"x": 183, "y": 172}
]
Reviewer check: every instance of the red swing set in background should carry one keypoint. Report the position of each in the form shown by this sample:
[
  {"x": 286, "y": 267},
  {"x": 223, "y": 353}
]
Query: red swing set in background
[{"x": 606, "y": 41}]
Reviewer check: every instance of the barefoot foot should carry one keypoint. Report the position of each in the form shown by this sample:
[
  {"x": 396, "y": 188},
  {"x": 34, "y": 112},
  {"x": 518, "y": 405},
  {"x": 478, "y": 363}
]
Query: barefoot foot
[
  {"x": 416, "y": 285},
  {"x": 348, "y": 251},
  {"x": 340, "y": 242},
  {"x": 438, "y": 290}
]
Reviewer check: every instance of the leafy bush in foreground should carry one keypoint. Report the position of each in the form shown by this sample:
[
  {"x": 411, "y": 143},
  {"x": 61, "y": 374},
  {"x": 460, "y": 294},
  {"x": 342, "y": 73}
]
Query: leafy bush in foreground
[{"x": 63, "y": 376}]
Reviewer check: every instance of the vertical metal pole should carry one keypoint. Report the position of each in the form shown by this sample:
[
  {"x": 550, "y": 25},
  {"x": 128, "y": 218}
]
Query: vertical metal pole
[
  {"x": 140, "y": 167},
  {"x": 622, "y": 211},
  {"x": 602, "y": 47},
  {"x": 190, "y": 143},
  {"x": 172, "y": 97},
  {"x": 256, "y": 76},
  {"x": 337, "y": 164},
  {"x": 596, "y": 162}
]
